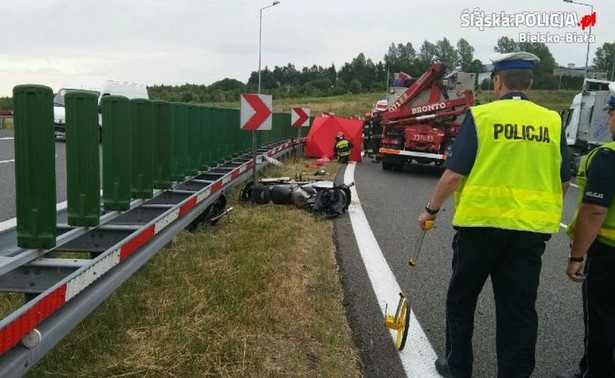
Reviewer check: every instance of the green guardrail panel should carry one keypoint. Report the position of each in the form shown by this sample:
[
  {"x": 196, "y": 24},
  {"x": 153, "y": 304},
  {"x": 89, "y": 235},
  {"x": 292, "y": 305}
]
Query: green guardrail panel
[
  {"x": 227, "y": 135},
  {"x": 142, "y": 151},
  {"x": 218, "y": 124},
  {"x": 194, "y": 153},
  {"x": 204, "y": 137},
  {"x": 116, "y": 153},
  {"x": 180, "y": 141},
  {"x": 35, "y": 175},
  {"x": 82, "y": 159},
  {"x": 163, "y": 142},
  {"x": 239, "y": 134}
]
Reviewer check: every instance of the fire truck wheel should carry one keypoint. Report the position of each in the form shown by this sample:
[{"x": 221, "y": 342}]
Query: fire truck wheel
[{"x": 387, "y": 166}]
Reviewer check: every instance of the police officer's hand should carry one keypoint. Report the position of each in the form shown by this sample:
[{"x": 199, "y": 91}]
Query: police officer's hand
[
  {"x": 575, "y": 271},
  {"x": 424, "y": 217}
]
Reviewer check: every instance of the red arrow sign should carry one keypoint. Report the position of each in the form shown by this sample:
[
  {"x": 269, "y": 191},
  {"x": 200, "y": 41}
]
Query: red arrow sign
[
  {"x": 300, "y": 117},
  {"x": 255, "y": 112}
]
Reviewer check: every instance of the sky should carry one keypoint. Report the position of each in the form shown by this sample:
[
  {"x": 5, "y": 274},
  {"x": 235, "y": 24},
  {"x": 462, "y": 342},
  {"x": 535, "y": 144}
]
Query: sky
[{"x": 202, "y": 41}]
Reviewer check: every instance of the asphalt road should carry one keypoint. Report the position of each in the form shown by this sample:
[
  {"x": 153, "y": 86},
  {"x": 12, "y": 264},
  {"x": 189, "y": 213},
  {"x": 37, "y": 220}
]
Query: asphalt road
[{"x": 392, "y": 202}]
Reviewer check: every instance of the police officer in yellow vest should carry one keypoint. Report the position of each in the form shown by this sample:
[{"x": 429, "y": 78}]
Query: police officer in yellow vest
[
  {"x": 342, "y": 148},
  {"x": 593, "y": 237},
  {"x": 509, "y": 169}
]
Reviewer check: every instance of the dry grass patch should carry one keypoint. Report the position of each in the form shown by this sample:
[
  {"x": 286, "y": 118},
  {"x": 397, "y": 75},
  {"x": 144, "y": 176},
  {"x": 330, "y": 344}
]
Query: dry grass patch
[
  {"x": 257, "y": 295},
  {"x": 10, "y": 302},
  {"x": 551, "y": 99},
  {"x": 359, "y": 104},
  {"x": 343, "y": 106}
]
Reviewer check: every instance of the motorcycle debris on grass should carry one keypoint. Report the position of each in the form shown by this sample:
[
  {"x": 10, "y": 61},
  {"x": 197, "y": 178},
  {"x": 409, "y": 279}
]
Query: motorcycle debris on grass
[{"x": 322, "y": 198}]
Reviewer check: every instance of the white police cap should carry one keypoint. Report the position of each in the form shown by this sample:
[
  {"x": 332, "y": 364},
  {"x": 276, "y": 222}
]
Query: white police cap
[{"x": 515, "y": 60}]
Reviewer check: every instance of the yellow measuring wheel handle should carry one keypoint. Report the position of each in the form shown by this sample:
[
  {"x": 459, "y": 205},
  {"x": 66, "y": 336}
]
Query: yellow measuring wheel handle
[{"x": 428, "y": 226}]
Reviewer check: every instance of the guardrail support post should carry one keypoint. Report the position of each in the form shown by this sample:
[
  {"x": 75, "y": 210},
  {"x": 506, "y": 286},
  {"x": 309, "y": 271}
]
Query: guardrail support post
[
  {"x": 142, "y": 141},
  {"x": 35, "y": 175},
  {"x": 82, "y": 159},
  {"x": 116, "y": 153},
  {"x": 163, "y": 141}
]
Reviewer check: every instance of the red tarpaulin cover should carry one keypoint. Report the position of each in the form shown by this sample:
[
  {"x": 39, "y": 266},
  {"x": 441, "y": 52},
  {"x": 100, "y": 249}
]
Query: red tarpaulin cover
[{"x": 321, "y": 138}]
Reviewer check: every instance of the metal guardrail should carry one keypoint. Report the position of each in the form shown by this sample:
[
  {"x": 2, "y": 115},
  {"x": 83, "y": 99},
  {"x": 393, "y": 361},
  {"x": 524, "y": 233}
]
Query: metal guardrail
[
  {"x": 149, "y": 148},
  {"x": 64, "y": 291}
]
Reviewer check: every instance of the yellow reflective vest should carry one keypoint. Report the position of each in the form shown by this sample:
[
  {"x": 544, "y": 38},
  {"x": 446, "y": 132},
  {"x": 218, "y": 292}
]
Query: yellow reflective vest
[
  {"x": 515, "y": 182},
  {"x": 606, "y": 234},
  {"x": 342, "y": 148}
]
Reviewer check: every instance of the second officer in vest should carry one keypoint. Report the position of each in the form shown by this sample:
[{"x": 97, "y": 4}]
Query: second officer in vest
[
  {"x": 593, "y": 237},
  {"x": 509, "y": 170}
]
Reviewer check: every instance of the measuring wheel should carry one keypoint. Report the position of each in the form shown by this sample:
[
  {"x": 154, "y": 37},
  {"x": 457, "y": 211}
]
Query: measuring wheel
[{"x": 399, "y": 322}]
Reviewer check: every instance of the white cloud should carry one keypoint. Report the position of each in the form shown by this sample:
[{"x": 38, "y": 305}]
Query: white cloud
[{"x": 201, "y": 41}]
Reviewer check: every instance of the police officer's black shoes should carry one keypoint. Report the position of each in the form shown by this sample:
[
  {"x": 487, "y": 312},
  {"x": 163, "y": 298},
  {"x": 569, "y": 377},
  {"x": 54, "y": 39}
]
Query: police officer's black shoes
[
  {"x": 570, "y": 375},
  {"x": 442, "y": 368}
]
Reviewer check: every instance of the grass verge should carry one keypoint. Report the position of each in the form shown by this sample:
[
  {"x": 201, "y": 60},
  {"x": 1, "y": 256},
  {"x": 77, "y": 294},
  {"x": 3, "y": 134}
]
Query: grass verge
[
  {"x": 553, "y": 99},
  {"x": 256, "y": 295}
]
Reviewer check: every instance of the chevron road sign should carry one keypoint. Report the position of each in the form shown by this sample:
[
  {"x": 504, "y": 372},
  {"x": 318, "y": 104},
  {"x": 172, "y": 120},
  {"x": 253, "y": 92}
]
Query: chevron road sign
[
  {"x": 300, "y": 117},
  {"x": 255, "y": 111}
]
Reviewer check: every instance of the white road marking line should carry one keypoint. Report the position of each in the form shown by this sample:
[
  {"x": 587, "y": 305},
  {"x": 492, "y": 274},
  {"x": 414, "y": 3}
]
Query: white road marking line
[
  {"x": 61, "y": 205},
  {"x": 563, "y": 225},
  {"x": 7, "y": 138},
  {"x": 11, "y": 223},
  {"x": 418, "y": 356},
  {"x": 12, "y": 160},
  {"x": 7, "y": 224},
  {"x": 574, "y": 185}
]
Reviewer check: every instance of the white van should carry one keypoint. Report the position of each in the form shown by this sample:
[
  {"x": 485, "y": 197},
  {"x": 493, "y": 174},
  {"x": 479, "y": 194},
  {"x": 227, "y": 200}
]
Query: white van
[
  {"x": 585, "y": 123},
  {"x": 98, "y": 86}
]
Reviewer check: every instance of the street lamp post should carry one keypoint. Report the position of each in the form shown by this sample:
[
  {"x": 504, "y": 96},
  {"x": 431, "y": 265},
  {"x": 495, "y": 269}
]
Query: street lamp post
[
  {"x": 590, "y": 31},
  {"x": 260, "y": 33}
]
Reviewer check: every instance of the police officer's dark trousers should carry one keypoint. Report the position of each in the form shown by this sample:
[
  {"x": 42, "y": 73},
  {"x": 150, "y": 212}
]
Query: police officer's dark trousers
[
  {"x": 599, "y": 312},
  {"x": 513, "y": 260}
]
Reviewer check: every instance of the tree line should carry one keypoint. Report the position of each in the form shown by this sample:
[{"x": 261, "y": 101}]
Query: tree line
[
  {"x": 363, "y": 75},
  {"x": 6, "y": 103}
]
